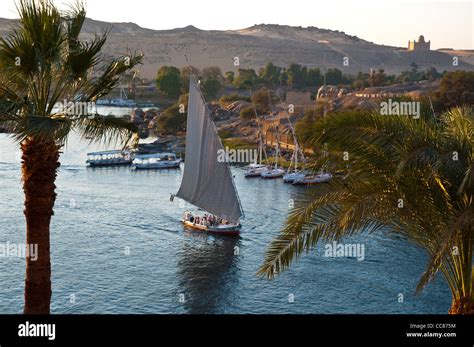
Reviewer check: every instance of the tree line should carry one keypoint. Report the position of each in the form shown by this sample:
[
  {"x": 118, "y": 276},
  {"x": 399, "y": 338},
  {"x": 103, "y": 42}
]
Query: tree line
[{"x": 173, "y": 82}]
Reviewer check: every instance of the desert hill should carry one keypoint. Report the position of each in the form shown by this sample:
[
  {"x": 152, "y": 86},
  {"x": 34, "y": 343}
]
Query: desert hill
[{"x": 259, "y": 44}]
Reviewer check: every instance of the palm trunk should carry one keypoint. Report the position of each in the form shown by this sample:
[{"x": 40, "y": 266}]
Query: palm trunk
[
  {"x": 464, "y": 305},
  {"x": 39, "y": 170}
]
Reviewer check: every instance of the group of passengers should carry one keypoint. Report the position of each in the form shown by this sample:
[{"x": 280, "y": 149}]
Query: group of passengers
[{"x": 207, "y": 220}]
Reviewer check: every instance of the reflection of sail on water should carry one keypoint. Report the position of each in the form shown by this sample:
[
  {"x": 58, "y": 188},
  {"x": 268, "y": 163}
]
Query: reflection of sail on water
[
  {"x": 208, "y": 274},
  {"x": 207, "y": 183}
]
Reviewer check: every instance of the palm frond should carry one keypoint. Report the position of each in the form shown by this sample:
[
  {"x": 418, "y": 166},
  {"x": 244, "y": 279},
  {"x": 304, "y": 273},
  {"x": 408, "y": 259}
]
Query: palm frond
[
  {"x": 106, "y": 129},
  {"x": 391, "y": 159},
  {"x": 100, "y": 86},
  {"x": 43, "y": 61}
]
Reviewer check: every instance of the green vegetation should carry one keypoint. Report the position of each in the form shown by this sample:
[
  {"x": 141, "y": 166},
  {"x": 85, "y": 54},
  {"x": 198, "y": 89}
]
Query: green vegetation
[
  {"x": 303, "y": 128},
  {"x": 174, "y": 117},
  {"x": 246, "y": 79},
  {"x": 410, "y": 177},
  {"x": 225, "y": 134},
  {"x": 456, "y": 88},
  {"x": 247, "y": 113},
  {"x": 43, "y": 61},
  {"x": 229, "y": 77},
  {"x": 263, "y": 99},
  {"x": 210, "y": 88},
  {"x": 172, "y": 82},
  {"x": 168, "y": 81},
  {"x": 237, "y": 143},
  {"x": 270, "y": 75}
]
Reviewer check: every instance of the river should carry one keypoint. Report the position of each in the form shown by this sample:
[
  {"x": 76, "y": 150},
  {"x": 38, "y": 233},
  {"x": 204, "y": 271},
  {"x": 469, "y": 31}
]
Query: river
[{"x": 117, "y": 246}]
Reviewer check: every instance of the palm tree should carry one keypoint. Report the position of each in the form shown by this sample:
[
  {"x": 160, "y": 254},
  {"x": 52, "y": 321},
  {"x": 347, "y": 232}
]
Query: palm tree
[
  {"x": 43, "y": 62},
  {"x": 413, "y": 177}
]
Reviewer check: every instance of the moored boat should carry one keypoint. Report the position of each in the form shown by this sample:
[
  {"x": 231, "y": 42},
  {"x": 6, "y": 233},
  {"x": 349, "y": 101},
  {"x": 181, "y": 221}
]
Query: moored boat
[
  {"x": 255, "y": 170},
  {"x": 110, "y": 158},
  {"x": 276, "y": 171},
  {"x": 122, "y": 101},
  {"x": 313, "y": 179},
  {"x": 294, "y": 172},
  {"x": 273, "y": 173},
  {"x": 290, "y": 177},
  {"x": 155, "y": 161}
]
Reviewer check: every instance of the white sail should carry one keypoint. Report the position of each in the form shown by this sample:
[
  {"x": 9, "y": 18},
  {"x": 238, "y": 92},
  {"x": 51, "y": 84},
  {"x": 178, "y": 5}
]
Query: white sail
[{"x": 207, "y": 183}]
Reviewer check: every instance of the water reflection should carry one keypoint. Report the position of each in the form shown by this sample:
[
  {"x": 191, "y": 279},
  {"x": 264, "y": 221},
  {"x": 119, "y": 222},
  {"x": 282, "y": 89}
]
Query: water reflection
[{"x": 208, "y": 272}]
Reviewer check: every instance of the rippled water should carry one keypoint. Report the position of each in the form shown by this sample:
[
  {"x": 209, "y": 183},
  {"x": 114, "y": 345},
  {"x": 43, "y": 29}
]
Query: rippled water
[{"x": 118, "y": 247}]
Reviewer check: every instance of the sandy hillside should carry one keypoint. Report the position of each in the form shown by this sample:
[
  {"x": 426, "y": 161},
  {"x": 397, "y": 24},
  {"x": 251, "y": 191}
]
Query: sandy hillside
[{"x": 258, "y": 45}]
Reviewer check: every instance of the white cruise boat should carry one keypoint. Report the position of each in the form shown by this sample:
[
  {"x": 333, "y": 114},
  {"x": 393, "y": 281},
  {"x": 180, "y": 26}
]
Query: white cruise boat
[
  {"x": 110, "y": 158},
  {"x": 156, "y": 161}
]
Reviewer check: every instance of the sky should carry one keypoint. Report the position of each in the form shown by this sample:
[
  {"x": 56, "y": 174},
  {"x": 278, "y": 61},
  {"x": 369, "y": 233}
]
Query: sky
[{"x": 446, "y": 23}]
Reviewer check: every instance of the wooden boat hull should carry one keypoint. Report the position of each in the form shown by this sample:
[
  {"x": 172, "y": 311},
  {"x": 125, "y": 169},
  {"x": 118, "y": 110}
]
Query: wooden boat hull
[{"x": 232, "y": 230}]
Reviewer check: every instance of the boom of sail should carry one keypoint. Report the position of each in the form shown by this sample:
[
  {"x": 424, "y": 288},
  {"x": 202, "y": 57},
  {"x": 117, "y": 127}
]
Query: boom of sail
[{"x": 207, "y": 182}]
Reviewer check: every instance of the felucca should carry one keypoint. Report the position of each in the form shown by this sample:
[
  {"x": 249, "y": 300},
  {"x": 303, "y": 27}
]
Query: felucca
[{"x": 207, "y": 182}]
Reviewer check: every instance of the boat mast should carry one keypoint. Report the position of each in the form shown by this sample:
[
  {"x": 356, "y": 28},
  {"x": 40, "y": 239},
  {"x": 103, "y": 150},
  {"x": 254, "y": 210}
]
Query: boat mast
[
  {"x": 295, "y": 140},
  {"x": 260, "y": 131},
  {"x": 296, "y": 156},
  {"x": 277, "y": 147}
]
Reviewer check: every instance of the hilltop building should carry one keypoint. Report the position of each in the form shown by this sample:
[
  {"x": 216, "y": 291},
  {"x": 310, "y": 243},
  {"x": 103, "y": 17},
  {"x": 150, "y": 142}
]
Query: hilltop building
[{"x": 421, "y": 45}]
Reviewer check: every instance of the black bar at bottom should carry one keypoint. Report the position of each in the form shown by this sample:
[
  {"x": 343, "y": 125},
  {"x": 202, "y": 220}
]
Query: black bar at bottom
[{"x": 443, "y": 330}]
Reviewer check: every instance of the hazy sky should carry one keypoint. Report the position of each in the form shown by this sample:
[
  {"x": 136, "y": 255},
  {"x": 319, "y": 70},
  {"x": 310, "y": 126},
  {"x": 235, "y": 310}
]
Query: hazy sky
[{"x": 447, "y": 23}]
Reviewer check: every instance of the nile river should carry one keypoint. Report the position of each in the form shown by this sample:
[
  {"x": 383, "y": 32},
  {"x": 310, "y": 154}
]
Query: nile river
[{"x": 118, "y": 247}]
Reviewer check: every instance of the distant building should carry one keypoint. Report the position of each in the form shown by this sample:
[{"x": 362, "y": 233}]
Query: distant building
[{"x": 421, "y": 45}]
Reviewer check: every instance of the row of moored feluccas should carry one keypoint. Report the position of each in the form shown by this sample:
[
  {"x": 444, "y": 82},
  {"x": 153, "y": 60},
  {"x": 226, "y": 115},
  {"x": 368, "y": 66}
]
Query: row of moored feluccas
[{"x": 294, "y": 174}]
